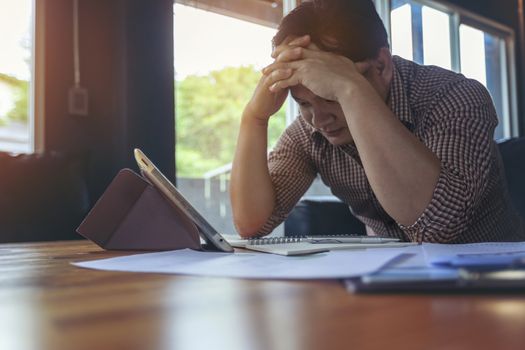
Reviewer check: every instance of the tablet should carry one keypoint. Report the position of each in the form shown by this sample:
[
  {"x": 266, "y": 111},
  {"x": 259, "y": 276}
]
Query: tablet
[
  {"x": 213, "y": 239},
  {"x": 440, "y": 280}
]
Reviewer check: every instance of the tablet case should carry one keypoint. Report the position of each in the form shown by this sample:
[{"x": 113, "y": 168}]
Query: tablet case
[{"x": 134, "y": 215}]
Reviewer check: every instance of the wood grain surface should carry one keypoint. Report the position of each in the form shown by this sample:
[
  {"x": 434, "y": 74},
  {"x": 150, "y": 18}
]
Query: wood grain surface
[{"x": 46, "y": 303}]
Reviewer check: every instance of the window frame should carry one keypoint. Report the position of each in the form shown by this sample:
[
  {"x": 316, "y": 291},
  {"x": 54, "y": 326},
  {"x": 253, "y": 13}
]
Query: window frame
[
  {"x": 37, "y": 84},
  {"x": 292, "y": 110},
  {"x": 459, "y": 16},
  {"x": 35, "y": 126}
]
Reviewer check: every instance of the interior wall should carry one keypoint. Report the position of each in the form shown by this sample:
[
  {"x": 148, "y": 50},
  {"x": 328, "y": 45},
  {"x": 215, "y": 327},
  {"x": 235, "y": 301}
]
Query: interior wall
[{"x": 126, "y": 50}]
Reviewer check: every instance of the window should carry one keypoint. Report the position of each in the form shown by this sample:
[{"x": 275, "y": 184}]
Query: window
[
  {"x": 482, "y": 57},
  {"x": 219, "y": 53},
  {"x": 421, "y": 33},
  {"x": 16, "y": 43},
  {"x": 455, "y": 39}
]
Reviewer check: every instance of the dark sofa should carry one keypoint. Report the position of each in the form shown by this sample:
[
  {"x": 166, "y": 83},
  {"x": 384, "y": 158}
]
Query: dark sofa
[{"x": 43, "y": 197}]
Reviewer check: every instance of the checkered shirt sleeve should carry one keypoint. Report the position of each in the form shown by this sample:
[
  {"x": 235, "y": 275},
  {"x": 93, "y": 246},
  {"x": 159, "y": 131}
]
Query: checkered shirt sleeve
[{"x": 459, "y": 131}]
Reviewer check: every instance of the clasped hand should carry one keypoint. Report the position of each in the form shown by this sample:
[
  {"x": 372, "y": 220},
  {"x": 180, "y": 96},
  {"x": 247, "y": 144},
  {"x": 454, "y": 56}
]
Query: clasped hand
[
  {"x": 326, "y": 74},
  {"x": 298, "y": 61}
]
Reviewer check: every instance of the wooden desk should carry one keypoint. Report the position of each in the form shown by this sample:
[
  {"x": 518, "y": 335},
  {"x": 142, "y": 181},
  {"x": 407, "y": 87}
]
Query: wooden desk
[{"x": 48, "y": 304}]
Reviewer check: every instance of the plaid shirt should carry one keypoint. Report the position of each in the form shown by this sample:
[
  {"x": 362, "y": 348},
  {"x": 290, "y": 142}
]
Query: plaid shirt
[{"x": 455, "y": 118}]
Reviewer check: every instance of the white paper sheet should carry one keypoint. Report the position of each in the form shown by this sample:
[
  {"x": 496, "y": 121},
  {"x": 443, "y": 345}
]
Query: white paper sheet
[
  {"x": 416, "y": 263},
  {"x": 412, "y": 257},
  {"x": 424, "y": 255},
  {"x": 330, "y": 265}
]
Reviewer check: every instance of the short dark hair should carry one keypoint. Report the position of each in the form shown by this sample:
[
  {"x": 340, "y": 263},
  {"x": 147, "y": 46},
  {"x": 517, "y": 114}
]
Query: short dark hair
[{"x": 351, "y": 28}]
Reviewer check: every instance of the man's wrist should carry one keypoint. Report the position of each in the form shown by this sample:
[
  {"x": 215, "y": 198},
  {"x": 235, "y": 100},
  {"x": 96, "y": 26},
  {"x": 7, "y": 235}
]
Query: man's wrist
[
  {"x": 353, "y": 93},
  {"x": 346, "y": 92},
  {"x": 251, "y": 118}
]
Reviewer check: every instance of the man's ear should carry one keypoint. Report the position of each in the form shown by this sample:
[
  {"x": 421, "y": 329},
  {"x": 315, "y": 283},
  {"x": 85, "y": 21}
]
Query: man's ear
[
  {"x": 384, "y": 65},
  {"x": 381, "y": 72}
]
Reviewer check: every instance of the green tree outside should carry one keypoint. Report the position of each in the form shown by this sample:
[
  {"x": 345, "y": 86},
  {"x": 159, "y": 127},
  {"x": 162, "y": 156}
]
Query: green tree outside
[
  {"x": 19, "y": 111},
  {"x": 208, "y": 113}
]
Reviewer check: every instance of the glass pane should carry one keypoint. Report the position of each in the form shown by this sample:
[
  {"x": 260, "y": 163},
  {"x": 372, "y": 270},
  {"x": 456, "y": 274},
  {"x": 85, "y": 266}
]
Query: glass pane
[
  {"x": 495, "y": 75},
  {"x": 420, "y": 33},
  {"x": 436, "y": 38},
  {"x": 482, "y": 59},
  {"x": 401, "y": 23},
  {"x": 217, "y": 63},
  {"x": 15, "y": 74},
  {"x": 472, "y": 53}
]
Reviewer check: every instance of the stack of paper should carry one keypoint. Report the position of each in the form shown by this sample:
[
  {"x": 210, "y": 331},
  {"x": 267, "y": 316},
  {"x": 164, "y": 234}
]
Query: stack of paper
[
  {"x": 331, "y": 265},
  {"x": 432, "y": 267},
  {"x": 416, "y": 263}
]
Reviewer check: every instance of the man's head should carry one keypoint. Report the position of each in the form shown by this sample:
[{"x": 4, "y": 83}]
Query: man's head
[{"x": 351, "y": 28}]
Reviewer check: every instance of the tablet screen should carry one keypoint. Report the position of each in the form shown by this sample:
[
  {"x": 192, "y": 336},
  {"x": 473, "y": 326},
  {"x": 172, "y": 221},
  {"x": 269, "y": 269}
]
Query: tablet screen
[{"x": 213, "y": 239}]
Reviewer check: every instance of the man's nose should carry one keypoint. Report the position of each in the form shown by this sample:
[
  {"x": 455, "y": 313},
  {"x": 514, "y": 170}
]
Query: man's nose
[{"x": 321, "y": 118}]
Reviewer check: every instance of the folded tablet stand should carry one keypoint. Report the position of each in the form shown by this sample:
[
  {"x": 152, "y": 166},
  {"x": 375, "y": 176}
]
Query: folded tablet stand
[{"x": 133, "y": 215}]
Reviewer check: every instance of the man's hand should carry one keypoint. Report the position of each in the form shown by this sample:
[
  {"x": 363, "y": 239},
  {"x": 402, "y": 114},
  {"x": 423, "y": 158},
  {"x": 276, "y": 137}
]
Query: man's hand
[
  {"x": 264, "y": 102},
  {"x": 324, "y": 73}
]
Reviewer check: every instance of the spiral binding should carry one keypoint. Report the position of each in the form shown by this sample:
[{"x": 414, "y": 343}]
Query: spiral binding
[
  {"x": 276, "y": 240},
  {"x": 291, "y": 239}
]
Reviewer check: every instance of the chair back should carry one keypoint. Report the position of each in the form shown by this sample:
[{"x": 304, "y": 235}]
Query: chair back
[
  {"x": 513, "y": 155},
  {"x": 43, "y": 197}
]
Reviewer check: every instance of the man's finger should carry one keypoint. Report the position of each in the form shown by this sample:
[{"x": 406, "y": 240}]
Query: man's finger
[
  {"x": 300, "y": 53},
  {"x": 300, "y": 41},
  {"x": 291, "y": 54},
  {"x": 285, "y": 83},
  {"x": 313, "y": 46},
  {"x": 363, "y": 66},
  {"x": 271, "y": 67},
  {"x": 277, "y": 75},
  {"x": 291, "y": 41},
  {"x": 280, "y": 65}
]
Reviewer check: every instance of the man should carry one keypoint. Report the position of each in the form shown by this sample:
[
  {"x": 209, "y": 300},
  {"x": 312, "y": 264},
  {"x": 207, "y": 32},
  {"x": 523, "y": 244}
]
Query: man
[{"x": 409, "y": 148}]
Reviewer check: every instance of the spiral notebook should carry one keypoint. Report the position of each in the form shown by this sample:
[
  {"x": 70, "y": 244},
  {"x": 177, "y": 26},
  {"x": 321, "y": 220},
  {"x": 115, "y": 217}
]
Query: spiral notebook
[{"x": 314, "y": 244}]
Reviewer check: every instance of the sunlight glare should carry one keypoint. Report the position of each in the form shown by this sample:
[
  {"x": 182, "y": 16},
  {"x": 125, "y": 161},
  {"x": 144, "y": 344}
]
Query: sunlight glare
[
  {"x": 436, "y": 38},
  {"x": 472, "y": 42},
  {"x": 15, "y": 25},
  {"x": 206, "y": 41},
  {"x": 401, "y": 21}
]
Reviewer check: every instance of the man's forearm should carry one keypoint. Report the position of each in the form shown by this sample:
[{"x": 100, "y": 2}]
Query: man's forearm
[
  {"x": 401, "y": 170},
  {"x": 251, "y": 190}
]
